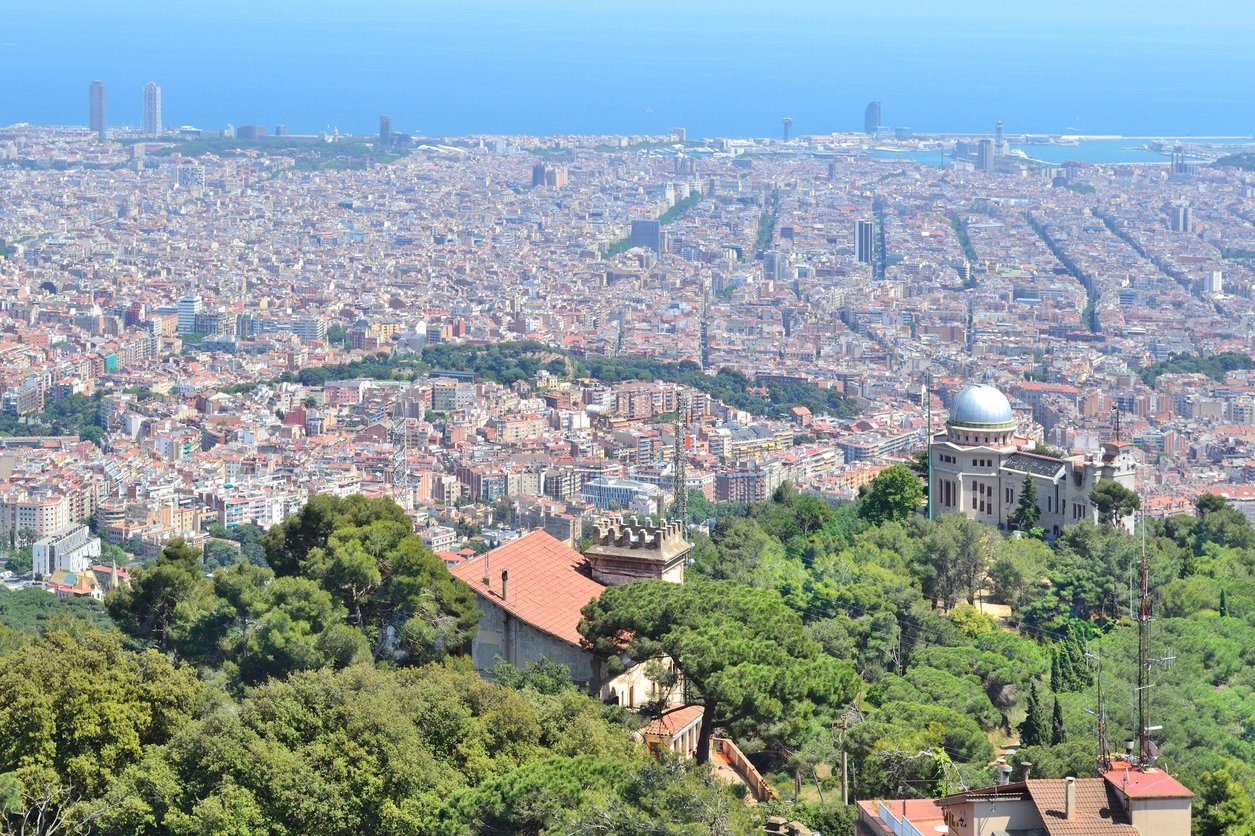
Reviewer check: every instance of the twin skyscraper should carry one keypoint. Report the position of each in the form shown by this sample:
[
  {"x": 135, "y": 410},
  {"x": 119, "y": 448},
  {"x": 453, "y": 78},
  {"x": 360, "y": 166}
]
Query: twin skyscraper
[{"x": 96, "y": 109}]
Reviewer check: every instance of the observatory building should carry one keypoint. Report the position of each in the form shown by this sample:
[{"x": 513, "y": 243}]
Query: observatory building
[{"x": 977, "y": 467}]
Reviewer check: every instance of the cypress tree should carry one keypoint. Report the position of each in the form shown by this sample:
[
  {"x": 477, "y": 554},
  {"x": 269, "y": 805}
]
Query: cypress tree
[
  {"x": 1224, "y": 605},
  {"x": 1035, "y": 730},
  {"x": 1026, "y": 513},
  {"x": 1057, "y": 734}
]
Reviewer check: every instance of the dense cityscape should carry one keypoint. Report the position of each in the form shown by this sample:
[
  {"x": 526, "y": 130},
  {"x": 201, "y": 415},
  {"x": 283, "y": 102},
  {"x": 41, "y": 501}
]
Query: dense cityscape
[{"x": 563, "y": 368}]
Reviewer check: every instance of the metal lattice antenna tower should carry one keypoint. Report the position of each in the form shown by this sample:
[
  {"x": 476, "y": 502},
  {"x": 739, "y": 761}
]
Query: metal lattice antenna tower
[
  {"x": 1147, "y": 751},
  {"x": 1100, "y": 715},
  {"x": 400, "y": 438},
  {"x": 679, "y": 459},
  {"x": 1144, "y": 745},
  {"x": 926, "y": 395}
]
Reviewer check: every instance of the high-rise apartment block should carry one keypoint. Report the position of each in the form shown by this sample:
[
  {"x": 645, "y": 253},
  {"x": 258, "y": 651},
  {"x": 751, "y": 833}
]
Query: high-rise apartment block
[
  {"x": 1181, "y": 220},
  {"x": 547, "y": 175},
  {"x": 985, "y": 155}
]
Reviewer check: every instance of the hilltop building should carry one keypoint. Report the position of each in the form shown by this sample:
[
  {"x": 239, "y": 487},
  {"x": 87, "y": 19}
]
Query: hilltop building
[
  {"x": 977, "y": 468},
  {"x": 531, "y": 591}
]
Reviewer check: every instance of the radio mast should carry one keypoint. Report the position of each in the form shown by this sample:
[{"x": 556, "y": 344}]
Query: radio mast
[{"x": 679, "y": 459}]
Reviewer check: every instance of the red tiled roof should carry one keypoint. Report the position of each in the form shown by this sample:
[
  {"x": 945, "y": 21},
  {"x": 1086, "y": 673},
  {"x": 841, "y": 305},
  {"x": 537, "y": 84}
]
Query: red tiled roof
[
  {"x": 673, "y": 721},
  {"x": 546, "y": 587},
  {"x": 1153, "y": 783}
]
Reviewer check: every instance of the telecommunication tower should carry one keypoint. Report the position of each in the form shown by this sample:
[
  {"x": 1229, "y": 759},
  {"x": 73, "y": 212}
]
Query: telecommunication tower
[{"x": 679, "y": 458}]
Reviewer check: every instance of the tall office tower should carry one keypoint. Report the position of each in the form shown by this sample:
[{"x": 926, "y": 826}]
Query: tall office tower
[
  {"x": 788, "y": 122},
  {"x": 189, "y": 307},
  {"x": 538, "y": 174},
  {"x": 647, "y": 234},
  {"x": 1214, "y": 283},
  {"x": 1000, "y": 143},
  {"x": 985, "y": 155},
  {"x": 152, "y": 109},
  {"x": 385, "y": 129},
  {"x": 871, "y": 117},
  {"x": 281, "y": 129},
  {"x": 1181, "y": 220},
  {"x": 96, "y": 109},
  {"x": 864, "y": 241},
  {"x": 775, "y": 265}
]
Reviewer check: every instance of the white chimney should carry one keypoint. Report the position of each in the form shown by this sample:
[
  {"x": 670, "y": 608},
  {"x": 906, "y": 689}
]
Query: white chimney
[{"x": 1069, "y": 797}]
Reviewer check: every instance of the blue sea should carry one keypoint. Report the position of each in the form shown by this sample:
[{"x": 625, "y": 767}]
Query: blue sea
[{"x": 728, "y": 68}]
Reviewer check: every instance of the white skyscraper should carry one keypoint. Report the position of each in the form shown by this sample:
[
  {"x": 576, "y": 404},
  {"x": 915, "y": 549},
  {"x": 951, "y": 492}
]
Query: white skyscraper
[
  {"x": 152, "y": 109},
  {"x": 189, "y": 306}
]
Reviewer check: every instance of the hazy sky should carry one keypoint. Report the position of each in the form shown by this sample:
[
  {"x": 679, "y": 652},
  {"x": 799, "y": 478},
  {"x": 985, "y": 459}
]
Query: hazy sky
[{"x": 720, "y": 67}]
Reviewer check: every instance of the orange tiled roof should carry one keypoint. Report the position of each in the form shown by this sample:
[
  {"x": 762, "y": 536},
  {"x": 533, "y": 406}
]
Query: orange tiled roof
[
  {"x": 1097, "y": 812},
  {"x": 547, "y": 583},
  {"x": 672, "y": 722}
]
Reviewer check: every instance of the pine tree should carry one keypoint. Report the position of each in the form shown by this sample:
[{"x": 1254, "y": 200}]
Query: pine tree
[
  {"x": 1026, "y": 513},
  {"x": 1057, "y": 734},
  {"x": 1035, "y": 730}
]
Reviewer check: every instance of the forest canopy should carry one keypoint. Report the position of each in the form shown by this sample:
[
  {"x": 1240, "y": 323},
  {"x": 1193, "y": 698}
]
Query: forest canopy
[{"x": 327, "y": 689}]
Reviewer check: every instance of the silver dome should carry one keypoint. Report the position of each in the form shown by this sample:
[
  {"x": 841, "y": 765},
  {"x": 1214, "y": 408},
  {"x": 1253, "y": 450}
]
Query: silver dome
[{"x": 982, "y": 407}]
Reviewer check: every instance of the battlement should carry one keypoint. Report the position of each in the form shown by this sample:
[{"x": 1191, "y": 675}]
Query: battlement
[
  {"x": 630, "y": 534},
  {"x": 626, "y": 550}
]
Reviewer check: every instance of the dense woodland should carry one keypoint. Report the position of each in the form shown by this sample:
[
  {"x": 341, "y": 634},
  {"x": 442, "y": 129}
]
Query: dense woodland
[{"x": 322, "y": 688}]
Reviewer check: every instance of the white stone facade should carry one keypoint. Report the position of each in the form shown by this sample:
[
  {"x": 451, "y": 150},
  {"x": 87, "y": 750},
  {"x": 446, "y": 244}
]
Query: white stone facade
[{"x": 977, "y": 468}]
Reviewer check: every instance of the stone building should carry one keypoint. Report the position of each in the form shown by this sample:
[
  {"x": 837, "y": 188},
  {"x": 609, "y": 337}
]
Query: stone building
[
  {"x": 530, "y": 593},
  {"x": 977, "y": 468}
]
